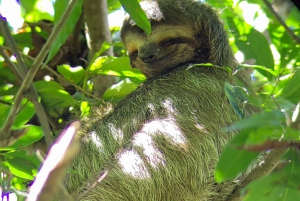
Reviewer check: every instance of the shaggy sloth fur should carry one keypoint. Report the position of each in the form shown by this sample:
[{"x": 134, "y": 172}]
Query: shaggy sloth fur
[{"x": 162, "y": 142}]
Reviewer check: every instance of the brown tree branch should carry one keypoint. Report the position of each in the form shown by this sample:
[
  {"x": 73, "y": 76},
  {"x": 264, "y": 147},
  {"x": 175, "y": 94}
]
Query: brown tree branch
[
  {"x": 277, "y": 17},
  {"x": 270, "y": 162},
  {"x": 98, "y": 31}
]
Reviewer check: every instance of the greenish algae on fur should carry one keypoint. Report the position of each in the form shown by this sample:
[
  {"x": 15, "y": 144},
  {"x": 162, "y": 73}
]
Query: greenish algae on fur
[{"x": 161, "y": 143}]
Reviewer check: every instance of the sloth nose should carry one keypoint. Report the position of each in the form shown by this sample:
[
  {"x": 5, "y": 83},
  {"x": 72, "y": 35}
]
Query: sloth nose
[
  {"x": 149, "y": 53},
  {"x": 148, "y": 58}
]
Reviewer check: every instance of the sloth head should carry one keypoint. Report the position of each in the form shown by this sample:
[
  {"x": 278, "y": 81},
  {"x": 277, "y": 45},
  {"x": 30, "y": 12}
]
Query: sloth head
[{"x": 183, "y": 32}]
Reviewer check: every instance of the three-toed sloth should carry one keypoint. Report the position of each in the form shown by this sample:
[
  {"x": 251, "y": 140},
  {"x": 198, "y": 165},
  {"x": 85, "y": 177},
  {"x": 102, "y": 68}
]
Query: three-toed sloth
[{"x": 162, "y": 142}]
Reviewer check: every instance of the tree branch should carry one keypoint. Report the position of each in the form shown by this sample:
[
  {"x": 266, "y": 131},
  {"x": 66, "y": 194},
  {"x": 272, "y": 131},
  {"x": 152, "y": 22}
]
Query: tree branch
[
  {"x": 98, "y": 31},
  {"x": 11, "y": 65},
  {"x": 6, "y": 135},
  {"x": 62, "y": 78},
  {"x": 34, "y": 68},
  {"x": 270, "y": 162},
  {"x": 277, "y": 17}
]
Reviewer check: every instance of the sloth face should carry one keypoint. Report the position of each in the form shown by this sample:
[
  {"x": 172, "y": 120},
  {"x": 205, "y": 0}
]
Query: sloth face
[
  {"x": 181, "y": 34},
  {"x": 167, "y": 48}
]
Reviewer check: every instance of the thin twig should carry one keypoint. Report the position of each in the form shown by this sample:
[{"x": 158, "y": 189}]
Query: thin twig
[
  {"x": 277, "y": 17},
  {"x": 37, "y": 63},
  {"x": 61, "y": 77},
  {"x": 33, "y": 96},
  {"x": 13, "y": 45},
  {"x": 65, "y": 80},
  {"x": 11, "y": 65}
]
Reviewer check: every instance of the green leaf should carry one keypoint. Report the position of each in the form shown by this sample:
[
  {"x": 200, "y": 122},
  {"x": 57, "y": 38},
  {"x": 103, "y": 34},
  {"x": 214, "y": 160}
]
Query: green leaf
[
  {"x": 59, "y": 8},
  {"x": 19, "y": 184},
  {"x": 115, "y": 66},
  {"x": 28, "y": 5},
  {"x": 291, "y": 134},
  {"x": 234, "y": 160},
  {"x": 24, "y": 115},
  {"x": 275, "y": 187},
  {"x": 97, "y": 60},
  {"x": 113, "y": 5},
  {"x": 85, "y": 108},
  {"x": 293, "y": 17},
  {"x": 21, "y": 164},
  {"x": 120, "y": 90},
  {"x": 252, "y": 44},
  {"x": 237, "y": 96},
  {"x": 291, "y": 91},
  {"x": 17, "y": 169},
  {"x": 6, "y": 76},
  {"x": 273, "y": 118},
  {"x": 72, "y": 74},
  {"x": 260, "y": 134},
  {"x": 242, "y": 66},
  {"x": 137, "y": 14},
  {"x": 53, "y": 95},
  {"x": 37, "y": 10},
  {"x": 34, "y": 134},
  {"x": 288, "y": 49},
  {"x": 209, "y": 65},
  {"x": 293, "y": 165}
]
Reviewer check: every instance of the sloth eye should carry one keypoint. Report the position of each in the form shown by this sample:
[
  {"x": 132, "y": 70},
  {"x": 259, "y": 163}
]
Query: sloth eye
[
  {"x": 134, "y": 54},
  {"x": 169, "y": 42}
]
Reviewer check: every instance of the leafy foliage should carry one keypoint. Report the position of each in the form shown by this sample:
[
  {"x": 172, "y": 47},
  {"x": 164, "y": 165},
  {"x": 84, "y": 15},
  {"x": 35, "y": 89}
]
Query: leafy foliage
[{"x": 276, "y": 76}]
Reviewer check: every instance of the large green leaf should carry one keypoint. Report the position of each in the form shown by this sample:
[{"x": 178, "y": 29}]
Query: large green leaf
[
  {"x": 252, "y": 44},
  {"x": 34, "y": 134},
  {"x": 21, "y": 164},
  {"x": 115, "y": 66},
  {"x": 274, "y": 118},
  {"x": 73, "y": 74},
  {"x": 6, "y": 76},
  {"x": 120, "y": 90},
  {"x": 28, "y": 5},
  {"x": 53, "y": 95},
  {"x": 137, "y": 14},
  {"x": 291, "y": 91},
  {"x": 253, "y": 131},
  {"x": 113, "y": 5},
  {"x": 233, "y": 159},
  {"x": 275, "y": 187},
  {"x": 60, "y": 7},
  {"x": 24, "y": 115},
  {"x": 282, "y": 185},
  {"x": 37, "y": 10}
]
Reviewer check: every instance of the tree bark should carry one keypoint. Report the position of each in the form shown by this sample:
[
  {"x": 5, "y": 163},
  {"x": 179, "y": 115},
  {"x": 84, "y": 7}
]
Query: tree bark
[{"x": 98, "y": 31}]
